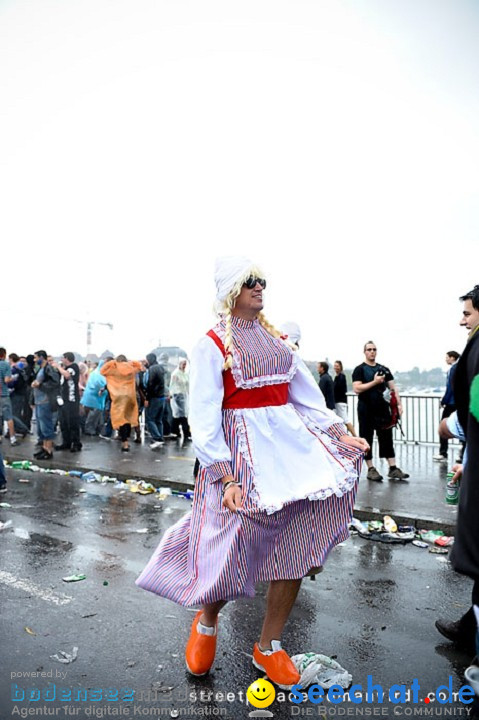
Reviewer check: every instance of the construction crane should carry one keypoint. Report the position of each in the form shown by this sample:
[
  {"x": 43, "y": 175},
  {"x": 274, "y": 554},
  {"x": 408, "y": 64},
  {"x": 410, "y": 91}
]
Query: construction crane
[{"x": 89, "y": 326}]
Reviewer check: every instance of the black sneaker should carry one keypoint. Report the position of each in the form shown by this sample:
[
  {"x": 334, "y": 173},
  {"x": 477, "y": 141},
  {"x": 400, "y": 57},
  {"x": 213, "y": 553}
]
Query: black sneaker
[
  {"x": 62, "y": 447},
  {"x": 44, "y": 455},
  {"x": 374, "y": 475},
  {"x": 3, "y": 488},
  {"x": 397, "y": 475}
]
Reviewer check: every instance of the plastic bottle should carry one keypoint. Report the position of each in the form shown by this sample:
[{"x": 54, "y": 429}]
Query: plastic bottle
[{"x": 21, "y": 464}]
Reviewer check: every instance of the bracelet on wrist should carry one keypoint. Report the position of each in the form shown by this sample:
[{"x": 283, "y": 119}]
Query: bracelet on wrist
[{"x": 228, "y": 484}]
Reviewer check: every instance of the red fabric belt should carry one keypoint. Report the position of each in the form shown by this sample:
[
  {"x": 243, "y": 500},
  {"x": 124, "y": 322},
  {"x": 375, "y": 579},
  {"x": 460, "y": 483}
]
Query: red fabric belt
[
  {"x": 256, "y": 397},
  {"x": 237, "y": 398}
]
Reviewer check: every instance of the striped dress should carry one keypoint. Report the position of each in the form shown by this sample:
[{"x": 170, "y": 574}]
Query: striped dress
[{"x": 266, "y": 423}]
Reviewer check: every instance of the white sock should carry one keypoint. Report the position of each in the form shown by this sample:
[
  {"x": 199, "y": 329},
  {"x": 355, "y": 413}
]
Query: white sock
[
  {"x": 205, "y": 630},
  {"x": 275, "y": 646}
]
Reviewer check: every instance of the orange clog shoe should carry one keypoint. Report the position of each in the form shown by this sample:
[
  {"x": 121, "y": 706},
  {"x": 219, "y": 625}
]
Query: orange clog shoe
[
  {"x": 277, "y": 665},
  {"x": 200, "y": 649}
]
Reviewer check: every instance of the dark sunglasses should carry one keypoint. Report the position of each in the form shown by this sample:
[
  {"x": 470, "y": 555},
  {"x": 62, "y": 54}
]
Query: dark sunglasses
[{"x": 250, "y": 283}]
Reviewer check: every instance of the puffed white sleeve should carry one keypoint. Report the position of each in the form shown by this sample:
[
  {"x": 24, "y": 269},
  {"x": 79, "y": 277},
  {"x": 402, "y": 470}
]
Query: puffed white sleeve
[
  {"x": 205, "y": 416},
  {"x": 307, "y": 398}
]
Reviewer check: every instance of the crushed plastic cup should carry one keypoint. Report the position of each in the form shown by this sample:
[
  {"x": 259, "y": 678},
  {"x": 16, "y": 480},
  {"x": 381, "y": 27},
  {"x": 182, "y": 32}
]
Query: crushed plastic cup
[
  {"x": 389, "y": 524},
  {"x": 444, "y": 541},
  {"x": 420, "y": 544},
  {"x": 91, "y": 476},
  {"x": 64, "y": 657},
  {"x": 74, "y": 578},
  {"x": 5, "y": 505},
  {"x": 472, "y": 677},
  {"x": 5, "y": 525},
  {"x": 140, "y": 486},
  {"x": 321, "y": 670},
  {"x": 359, "y": 526}
]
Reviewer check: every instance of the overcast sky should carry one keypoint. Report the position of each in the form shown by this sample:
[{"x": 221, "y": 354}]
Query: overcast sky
[{"x": 336, "y": 142}]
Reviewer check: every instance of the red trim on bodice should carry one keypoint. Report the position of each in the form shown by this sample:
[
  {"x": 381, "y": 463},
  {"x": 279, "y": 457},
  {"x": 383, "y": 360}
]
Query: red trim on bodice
[{"x": 236, "y": 398}]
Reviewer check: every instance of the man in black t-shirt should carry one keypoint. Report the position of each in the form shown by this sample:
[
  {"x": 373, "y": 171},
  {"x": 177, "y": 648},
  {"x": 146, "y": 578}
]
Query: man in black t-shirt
[
  {"x": 70, "y": 408},
  {"x": 370, "y": 380}
]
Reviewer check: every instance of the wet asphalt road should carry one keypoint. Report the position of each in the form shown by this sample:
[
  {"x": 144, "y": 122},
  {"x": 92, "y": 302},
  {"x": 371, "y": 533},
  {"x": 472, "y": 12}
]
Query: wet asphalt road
[{"x": 373, "y": 609}]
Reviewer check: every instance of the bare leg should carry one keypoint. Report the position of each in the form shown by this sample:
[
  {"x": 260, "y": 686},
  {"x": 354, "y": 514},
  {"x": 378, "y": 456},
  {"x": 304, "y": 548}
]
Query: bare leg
[
  {"x": 11, "y": 429},
  {"x": 48, "y": 445},
  {"x": 210, "y": 613},
  {"x": 279, "y": 603}
]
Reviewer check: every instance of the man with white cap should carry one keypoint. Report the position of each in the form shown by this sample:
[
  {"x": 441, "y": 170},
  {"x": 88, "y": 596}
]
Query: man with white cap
[{"x": 277, "y": 479}]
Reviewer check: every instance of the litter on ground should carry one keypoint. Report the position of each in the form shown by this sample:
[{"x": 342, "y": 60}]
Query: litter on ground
[{"x": 64, "y": 657}]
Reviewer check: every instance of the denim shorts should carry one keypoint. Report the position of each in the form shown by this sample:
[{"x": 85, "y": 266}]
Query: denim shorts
[
  {"x": 45, "y": 421},
  {"x": 6, "y": 408}
]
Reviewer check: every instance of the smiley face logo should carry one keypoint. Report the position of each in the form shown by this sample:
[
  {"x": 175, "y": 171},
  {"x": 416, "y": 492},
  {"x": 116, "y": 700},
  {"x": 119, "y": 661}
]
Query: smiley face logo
[{"x": 261, "y": 693}]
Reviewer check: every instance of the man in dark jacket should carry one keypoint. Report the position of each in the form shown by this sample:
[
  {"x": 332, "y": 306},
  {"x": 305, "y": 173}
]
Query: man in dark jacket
[
  {"x": 155, "y": 399},
  {"x": 326, "y": 385},
  {"x": 447, "y": 402},
  {"x": 465, "y": 552}
]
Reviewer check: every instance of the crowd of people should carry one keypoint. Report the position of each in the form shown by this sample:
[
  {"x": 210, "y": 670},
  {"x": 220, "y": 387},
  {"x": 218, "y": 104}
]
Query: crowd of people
[
  {"x": 91, "y": 399},
  {"x": 101, "y": 399}
]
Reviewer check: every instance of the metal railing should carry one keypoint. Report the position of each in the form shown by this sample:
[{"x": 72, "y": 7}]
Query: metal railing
[{"x": 420, "y": 420}]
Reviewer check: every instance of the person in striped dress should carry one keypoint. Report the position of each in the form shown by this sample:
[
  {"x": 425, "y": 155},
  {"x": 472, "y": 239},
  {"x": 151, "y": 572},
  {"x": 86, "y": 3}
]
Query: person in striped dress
[{"x": 277, "y": 480}]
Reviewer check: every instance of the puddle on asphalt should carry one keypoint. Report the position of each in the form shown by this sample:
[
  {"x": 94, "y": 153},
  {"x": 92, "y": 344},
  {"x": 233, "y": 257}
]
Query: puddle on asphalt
[
  {"x": 49, "y": 543},
  {"x": 104, "y": 562}
]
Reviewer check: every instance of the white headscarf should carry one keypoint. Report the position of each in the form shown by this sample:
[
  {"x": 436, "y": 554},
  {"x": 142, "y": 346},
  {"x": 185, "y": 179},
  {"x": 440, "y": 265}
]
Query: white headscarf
[
  {"x": 292, "y": 330},
  {"x": 228, "y": 271}
]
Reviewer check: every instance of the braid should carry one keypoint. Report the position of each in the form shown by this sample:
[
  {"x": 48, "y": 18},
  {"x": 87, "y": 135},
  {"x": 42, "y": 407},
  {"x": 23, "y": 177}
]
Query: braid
[
  {"x": 228, "y": 364},
  {"x": 268, "y": 326},
  {"x": 273, "y": 331}
]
